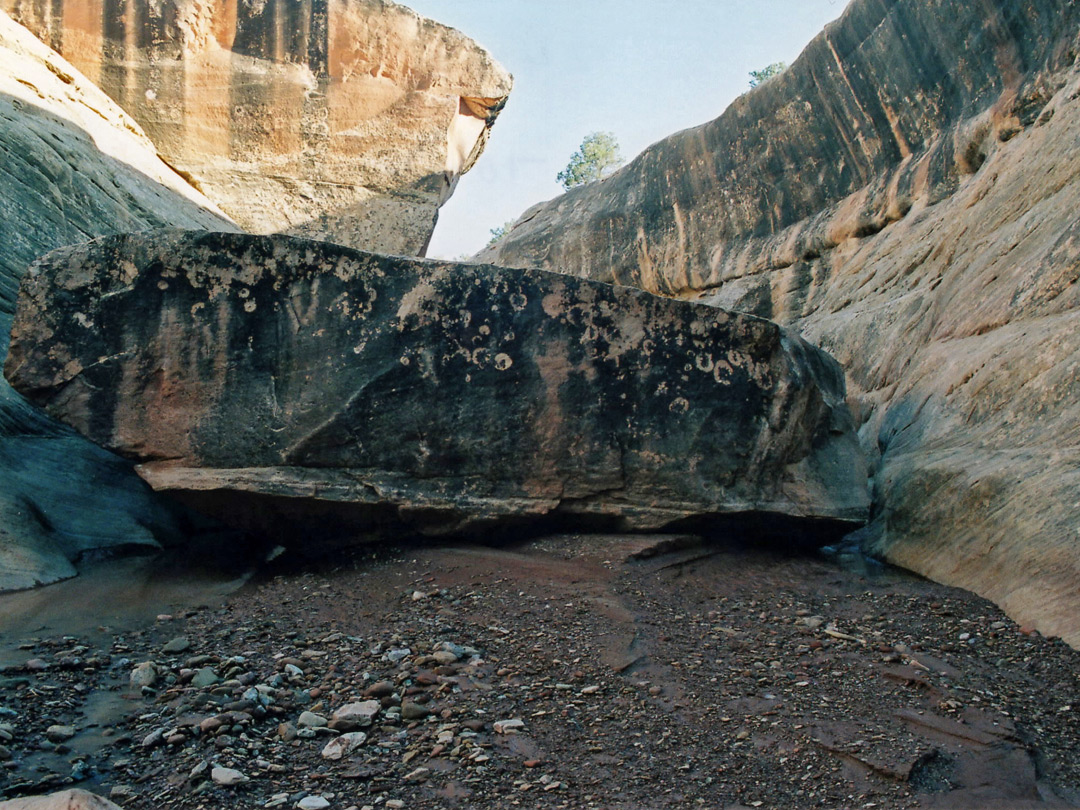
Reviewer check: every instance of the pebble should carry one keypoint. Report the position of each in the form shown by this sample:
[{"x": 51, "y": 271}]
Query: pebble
[
  {"x": 204, "y": 678},
  {"x": 352, "y": 716},
  {"x": 316, "y": 803},
  {"x": 414, "y": 711},
  {"x": 227, "y": 777},
  {"x": 509, "y": 726},
  {"x": 380, "y": 689},
  {"x": 344, "y": 745},
  {"x": 58, "y": 734},
  {"x": 144, "y": 675},
  {"x": 311, "y": 720},
  {"x": 177, "y": 646}
]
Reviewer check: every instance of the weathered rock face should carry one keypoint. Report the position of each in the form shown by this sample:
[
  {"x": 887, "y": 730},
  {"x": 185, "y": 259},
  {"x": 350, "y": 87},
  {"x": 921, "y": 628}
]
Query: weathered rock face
[
  {"x": 905, "y": 195},
  {"x": 373, "y": 391},
  {"x": 346, "y": 120},
  {"x": 73, "y": 166}
]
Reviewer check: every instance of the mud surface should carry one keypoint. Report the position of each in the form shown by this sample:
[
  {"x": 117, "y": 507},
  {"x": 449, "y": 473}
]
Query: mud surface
[{"x": 642, "y": 673}]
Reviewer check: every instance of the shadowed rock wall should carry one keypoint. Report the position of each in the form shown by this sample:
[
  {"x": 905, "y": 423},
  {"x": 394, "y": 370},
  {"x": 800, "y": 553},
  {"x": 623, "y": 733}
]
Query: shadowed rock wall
[
  {"x": 345, "y": 120},
  {"x": 73, "y": 166},
  {"x": 904, "y": 194}
]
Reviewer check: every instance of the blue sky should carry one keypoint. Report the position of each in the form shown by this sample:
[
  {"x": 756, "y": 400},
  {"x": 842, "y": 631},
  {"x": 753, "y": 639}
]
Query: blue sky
[{"x": 639, "y": 69}]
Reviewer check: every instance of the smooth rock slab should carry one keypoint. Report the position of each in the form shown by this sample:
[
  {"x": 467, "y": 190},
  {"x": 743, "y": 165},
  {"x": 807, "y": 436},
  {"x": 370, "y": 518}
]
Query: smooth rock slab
[{"x": 332, "y": 385}]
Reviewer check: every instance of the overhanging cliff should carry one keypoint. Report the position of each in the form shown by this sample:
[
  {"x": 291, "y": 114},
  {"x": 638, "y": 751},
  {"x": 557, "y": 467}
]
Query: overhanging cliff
[
  {"x": 905, "y": 194},
  {"x": 344, "y": 120}
]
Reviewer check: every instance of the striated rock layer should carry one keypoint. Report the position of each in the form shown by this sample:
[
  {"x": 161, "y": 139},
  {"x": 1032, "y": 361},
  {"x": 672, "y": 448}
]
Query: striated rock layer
[
  {"x": 73, "y": 166},
  {"x": 345, "y": 120},
  {"x": 372, "y": 392},
  {"x": 905, "y": 195}
]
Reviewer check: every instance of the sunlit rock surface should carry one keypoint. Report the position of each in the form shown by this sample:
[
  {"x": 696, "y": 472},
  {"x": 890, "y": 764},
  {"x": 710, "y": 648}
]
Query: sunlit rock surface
[
  {"x": 905, "y": 195},
  {"x": 345, "y": 120},
  {"x": 73, "y": 166},
  {"x": 285, "y": 381}
]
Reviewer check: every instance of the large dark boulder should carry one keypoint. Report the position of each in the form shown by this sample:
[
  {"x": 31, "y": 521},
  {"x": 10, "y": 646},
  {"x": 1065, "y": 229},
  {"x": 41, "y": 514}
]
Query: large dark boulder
[{"x": 279, "y": 380}]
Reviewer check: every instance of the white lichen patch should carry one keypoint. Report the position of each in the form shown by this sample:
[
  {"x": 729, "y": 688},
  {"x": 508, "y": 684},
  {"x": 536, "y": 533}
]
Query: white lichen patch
[
  {"x": 419, "y": 300},
  {"x": 503, "y": 361},
  {"x": 128, "y": 272}
]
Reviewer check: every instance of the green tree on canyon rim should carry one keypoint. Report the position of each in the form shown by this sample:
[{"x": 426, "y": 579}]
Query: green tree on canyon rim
[
  {"x": 761, "y": 76},
  {"x": 596, "y": 158}
]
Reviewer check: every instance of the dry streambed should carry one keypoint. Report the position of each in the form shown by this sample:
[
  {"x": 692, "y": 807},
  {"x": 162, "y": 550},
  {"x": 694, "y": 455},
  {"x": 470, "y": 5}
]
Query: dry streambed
[{"x": 607, "y": 672}]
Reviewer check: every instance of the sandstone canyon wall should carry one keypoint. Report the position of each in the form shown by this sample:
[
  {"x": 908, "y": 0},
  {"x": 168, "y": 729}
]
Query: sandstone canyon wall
[
  {"x": 73, "y": 166},
  {"x": 906, "y": 195},
  {"x": 345, "y": 120}
]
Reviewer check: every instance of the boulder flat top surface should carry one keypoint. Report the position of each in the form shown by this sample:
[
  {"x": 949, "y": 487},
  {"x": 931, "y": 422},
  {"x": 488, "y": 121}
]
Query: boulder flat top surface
[{"x": 453, "y": 395}]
